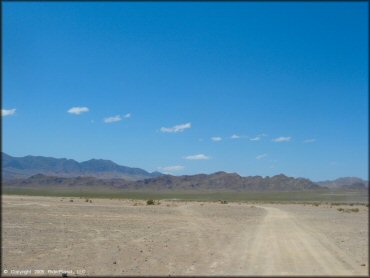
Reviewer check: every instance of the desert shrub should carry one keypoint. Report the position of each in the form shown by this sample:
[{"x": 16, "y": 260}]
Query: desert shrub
[
  {"x": 71, "y": 200},
  {"x": 150, "y": 202},
  {"x": 90, "y": 201},
  {"x": 87, "y": 200},
  {"x": 316, "y": 204},
  {"x": 223, "y": 202},
  {"x": 348, "y": 210}
]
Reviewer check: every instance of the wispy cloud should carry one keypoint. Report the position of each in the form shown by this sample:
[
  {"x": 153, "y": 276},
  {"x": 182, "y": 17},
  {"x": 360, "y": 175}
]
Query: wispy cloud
[
  {"x": 257, "y": 138},
  {"x": 173, "y": 168},
  {"x": 216, "y": 139},
  {"x": 78, "y": 110},
  {"x": 282, "y": 139},
  {"x": 307, "y": 141},
  {"x": 261, "y": 156},
  {"x": 128, "y": 115},
  {"x": 8, "y": 112},
  {"x": 235, "y": 136},
  {"x": 197, "y": 157},
  {"x": 176, "y": 128},
  {"x": 112, "y": 119}
]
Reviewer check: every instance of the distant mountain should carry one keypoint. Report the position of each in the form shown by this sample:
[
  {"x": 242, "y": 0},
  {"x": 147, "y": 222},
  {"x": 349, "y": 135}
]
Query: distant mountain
[
  {"x": 219, "y": 181},
  {"x": 345, "y": 183},
  {"x": 228, "y": 181},
  {"x": 24, "y": 167}
]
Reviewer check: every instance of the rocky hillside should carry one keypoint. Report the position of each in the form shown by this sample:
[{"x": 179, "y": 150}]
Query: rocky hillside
[{"x": 219, "y": 181}]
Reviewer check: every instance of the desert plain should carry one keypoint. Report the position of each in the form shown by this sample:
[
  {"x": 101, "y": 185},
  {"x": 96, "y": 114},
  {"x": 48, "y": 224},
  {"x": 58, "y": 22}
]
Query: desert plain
[{"x": 128, "y": 237}]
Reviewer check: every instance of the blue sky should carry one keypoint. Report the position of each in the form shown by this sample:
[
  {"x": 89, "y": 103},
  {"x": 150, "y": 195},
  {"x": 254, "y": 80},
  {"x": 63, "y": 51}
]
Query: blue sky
[{"x": 150, "y": 84}]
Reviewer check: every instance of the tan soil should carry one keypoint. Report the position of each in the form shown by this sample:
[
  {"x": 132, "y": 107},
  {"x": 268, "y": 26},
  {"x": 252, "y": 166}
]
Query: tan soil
[{"x": 124, "y": 237}]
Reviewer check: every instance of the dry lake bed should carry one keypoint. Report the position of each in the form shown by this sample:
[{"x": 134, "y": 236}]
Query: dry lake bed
[{"x": 47, "y": 235}]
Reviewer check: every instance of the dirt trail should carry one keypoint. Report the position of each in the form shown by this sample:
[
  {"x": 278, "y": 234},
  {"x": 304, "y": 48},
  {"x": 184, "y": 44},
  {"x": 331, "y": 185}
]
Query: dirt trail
[
  {"x": 284, "y": 245},
  {"x": 281, "y": 245}
]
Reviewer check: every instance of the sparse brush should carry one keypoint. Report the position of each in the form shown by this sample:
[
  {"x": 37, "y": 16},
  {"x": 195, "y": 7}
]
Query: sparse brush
[
  {"x": 348, "y": 210},
  {"x": 223, "y": 201},
  {"x": 71, "y": 200},
  {"x": 150, "y": 202}
]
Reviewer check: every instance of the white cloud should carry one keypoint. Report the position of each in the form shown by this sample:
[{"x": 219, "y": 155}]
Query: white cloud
[
  {"x": 78, "y": 110},
  {"x": 112, "y": 119},
  {"x": 261, "y": 156},
  {"x": 8, "y": 112},
  {"x": 176, "y": 128},
  {"x": 197, "y": 157},
  {"x": 216, "y": 139},
  {"x": 173, "y": 168},
  {"x": 309, "y": 141},
  {"x": 257, "y": 138},
  {"x": 281, "y": 139},
  {"x": 235, "y": 136},
  {"x": 128, "y": 115}
]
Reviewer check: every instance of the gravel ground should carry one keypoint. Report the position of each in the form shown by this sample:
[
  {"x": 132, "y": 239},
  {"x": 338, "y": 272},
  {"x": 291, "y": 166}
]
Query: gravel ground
[{"x": 127, "y": 237}]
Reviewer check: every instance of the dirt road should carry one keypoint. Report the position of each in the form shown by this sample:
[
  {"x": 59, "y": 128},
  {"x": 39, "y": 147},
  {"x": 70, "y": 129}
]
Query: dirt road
[
  {"x": 285, "y": 245},
  {"x": 116, "y": 237}
]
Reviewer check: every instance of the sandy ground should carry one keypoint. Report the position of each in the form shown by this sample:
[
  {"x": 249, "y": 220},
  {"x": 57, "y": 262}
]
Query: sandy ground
[{"x": 124, "y": 237}]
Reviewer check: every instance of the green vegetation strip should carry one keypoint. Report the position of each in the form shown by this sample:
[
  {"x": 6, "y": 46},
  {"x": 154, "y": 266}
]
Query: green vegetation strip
[{"x": 301, "y": 196}]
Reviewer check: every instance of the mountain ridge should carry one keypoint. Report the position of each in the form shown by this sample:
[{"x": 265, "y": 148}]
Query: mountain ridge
[
  {"x": 219, "y": 181},
  {"x": 30, "y": 170},
  {"x": 24, "y": 167},
  {"x": 345, "y": 183}
]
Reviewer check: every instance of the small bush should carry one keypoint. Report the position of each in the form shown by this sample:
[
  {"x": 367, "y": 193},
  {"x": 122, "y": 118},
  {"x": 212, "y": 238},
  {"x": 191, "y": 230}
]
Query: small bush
[
  {"x": 150, "y": 202},
  {"x": 223, "y": 202},
  {"x": 348, "y": 210},
  {"x": 87, "y": 200},
  {"x": 71, "y": 200}
]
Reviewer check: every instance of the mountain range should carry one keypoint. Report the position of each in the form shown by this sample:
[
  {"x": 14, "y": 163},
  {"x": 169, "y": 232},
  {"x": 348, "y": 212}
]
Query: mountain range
[
  {"x": 24, "y": 167},
  {"x": 345, "y": 183},
  {"x": 220, "y": 181},
  {"x": 48, "y": 171}
]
